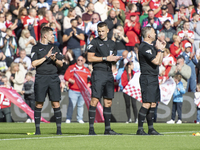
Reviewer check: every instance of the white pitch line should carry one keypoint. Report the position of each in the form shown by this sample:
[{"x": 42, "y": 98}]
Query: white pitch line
[{"x": 36, "y": 138}]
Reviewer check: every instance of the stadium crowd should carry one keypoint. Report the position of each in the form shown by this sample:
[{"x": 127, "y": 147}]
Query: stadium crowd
[{"x": 74, "y": 24}]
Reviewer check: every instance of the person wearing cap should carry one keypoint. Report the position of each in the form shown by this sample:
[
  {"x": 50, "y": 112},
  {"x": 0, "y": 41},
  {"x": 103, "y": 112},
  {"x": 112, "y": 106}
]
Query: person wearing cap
[
  {"x": 165, "y": 15},
  {"x": 132, "y": 31},
  {"x": 132, "y": 9},
  {"x": 169, "y": 32},
  {"x": 180, "y": 17},
  {"x": 181, "y": 68},
  {"x": 185, "y": 3},
  {"x": 190, "y": 60},
  {"x": 170, "y": 5}
]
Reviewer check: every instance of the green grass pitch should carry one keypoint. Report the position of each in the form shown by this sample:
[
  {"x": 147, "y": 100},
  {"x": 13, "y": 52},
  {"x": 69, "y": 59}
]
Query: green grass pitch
[{"x": 176, "y": 137}]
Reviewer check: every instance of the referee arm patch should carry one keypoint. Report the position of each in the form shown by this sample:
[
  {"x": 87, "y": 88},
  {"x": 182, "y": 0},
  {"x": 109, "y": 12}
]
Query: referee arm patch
[{"x": 149, "y": 51}]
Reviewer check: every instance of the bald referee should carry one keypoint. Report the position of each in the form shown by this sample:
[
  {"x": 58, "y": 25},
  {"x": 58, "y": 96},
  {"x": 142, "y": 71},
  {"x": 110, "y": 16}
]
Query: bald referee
[
  {"x": 101, "y": 53},
  {"x": 150, "y": 57},
  {"x": 46, "y": 58}
]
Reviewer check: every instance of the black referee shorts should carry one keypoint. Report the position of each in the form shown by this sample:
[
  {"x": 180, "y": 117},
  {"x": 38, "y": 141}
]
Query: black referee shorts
[
  {"x": 150, "y": 89},
  {"x": 47, "y": 84},
  {"x": 102, "y": 84}
]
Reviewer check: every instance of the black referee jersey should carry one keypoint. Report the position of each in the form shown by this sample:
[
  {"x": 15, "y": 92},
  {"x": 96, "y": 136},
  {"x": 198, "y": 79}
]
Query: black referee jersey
[
  {"x": 102, "y": 49},
  {"x": 48, "y": 67},
  {"x": 146, "y": 54}
]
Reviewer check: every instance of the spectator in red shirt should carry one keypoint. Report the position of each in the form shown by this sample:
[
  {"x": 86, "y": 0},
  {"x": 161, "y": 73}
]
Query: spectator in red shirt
[
  {"x": 132, "y": 31},
  {"x": 48, "y": 18},
  {"x": 125, "y": 78},
  {"x": 31, "y": 22},
  {"x": 132, "y": 8},
  {"x": 176, "y": 47},
  {"x": 165, "y": 15},
  {"x": 75, "y": 96},
  {"x": 156, "y": 5},
  {"x": 9, "y": 24},
  {"x": 168, "y": 61},
  {"x": 186, "y": 35}
]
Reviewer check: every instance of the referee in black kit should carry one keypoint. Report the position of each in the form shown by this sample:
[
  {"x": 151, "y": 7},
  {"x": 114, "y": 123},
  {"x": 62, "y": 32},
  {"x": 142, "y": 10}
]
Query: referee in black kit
[
  {"x": 101, "y": 52},
  {"x": 150, "y": 57},
  {"x": 46, "y": 57}
]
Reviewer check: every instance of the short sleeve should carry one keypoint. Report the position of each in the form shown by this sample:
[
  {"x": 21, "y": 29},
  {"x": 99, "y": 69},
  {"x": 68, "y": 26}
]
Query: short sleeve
[
  {"x": 148, "y": 53},
  {"x": 59, "y": 55},
  {"x": 67, "y": 32},
  {"x": 80, "y": 31},
  {"x": 34, "y": 53},
  {"x": 92, "y": 46}
]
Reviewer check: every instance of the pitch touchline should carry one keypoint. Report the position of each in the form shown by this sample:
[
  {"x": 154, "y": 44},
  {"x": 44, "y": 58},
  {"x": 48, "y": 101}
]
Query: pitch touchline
[{"x": 35, "y": 138}]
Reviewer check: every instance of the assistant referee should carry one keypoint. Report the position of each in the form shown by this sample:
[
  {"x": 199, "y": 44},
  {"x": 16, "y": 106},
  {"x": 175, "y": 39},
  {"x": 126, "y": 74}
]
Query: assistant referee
[
  {"x": 150, "y": 57},
  {"x": 46, "y": 58},
  {"x": 101, "y": 53}
]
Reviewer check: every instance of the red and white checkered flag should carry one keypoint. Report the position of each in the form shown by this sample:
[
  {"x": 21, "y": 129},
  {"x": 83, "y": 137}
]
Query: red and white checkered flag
[
  {"x": 166, "y": 89},
  {"x": 133, "y": 87}
]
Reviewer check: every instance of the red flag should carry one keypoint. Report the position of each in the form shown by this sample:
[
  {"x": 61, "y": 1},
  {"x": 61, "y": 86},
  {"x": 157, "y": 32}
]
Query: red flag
[
  {"x": 86, "y": 93},
  {"x": 16, "y": 99}
]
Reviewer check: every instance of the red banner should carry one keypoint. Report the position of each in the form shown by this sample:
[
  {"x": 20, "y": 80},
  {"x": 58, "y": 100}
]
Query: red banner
[
  {"x": 16, "y": 99},
  {"x": 86, "y": 93}
]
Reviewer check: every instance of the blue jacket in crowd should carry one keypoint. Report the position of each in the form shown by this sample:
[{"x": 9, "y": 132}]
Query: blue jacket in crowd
[{"x": 178, "y": 95}]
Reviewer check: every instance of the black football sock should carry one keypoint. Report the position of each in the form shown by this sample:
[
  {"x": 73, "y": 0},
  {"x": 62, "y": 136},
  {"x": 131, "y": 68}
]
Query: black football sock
[
  {"x": 141, "y": 117},
  {"x": 150, "y": 117},
  {"x": 37, "y": 117},
  {"x": 58, "y": 116},
  {"x": 107, "y": 117},
  {"x": 91, "y": 113}
]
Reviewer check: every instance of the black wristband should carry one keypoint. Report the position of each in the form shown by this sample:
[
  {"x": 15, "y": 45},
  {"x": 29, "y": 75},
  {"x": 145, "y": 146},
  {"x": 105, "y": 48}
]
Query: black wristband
[
  {"x": 160, "y": 51},
  {"x": 55, "y": 60}
]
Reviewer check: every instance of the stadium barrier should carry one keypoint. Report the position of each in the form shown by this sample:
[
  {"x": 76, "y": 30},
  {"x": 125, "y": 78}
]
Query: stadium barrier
[{"x": 118, "y": 110}]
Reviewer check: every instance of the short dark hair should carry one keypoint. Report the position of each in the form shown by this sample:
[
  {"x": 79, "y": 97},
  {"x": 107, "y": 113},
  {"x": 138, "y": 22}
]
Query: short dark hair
[
  {"x": 102, "y": 24},
  {"x": 166, "y": 21},
  {"x": 185, "y": 22},
  {"x": 29, "y": 74},
  {"x": 137, "y": 45},
  {"x": 77, "y": 17},
  {"x": 178, "y": 77},
  {"x": 194, "y": 14},
  {"x": 44, "y": 30},
  {"x": 150, "y": 10},
  {"x": 72, "y": 20},
  {"x": 89, "y": 4},
  {"x": 145, "y": 30}
]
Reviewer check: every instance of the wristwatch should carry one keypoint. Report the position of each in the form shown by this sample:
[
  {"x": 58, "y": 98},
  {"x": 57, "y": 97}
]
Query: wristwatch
[
  {"x": 104, "y": 58},
  {"x": 55, "y": 60},
  {"x": 46, "y": 57},
  {"x": 160, "y": 51}
]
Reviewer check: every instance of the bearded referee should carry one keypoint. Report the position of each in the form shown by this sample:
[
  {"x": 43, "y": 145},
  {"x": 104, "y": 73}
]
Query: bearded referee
[
  {"x": 101, "y": 53},
  {"x": 150, "y": 57},
  {"x": 46, "y": 58}
]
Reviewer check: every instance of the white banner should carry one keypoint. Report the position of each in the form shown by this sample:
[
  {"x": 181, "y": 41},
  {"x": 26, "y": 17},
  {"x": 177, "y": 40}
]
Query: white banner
[
  {"x": 197, "y": 99},
  {"x": 166, "y": 89}
]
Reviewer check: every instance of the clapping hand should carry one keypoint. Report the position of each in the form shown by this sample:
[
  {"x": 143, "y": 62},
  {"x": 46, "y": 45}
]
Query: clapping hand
[{"x": 113, "y": 58}]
